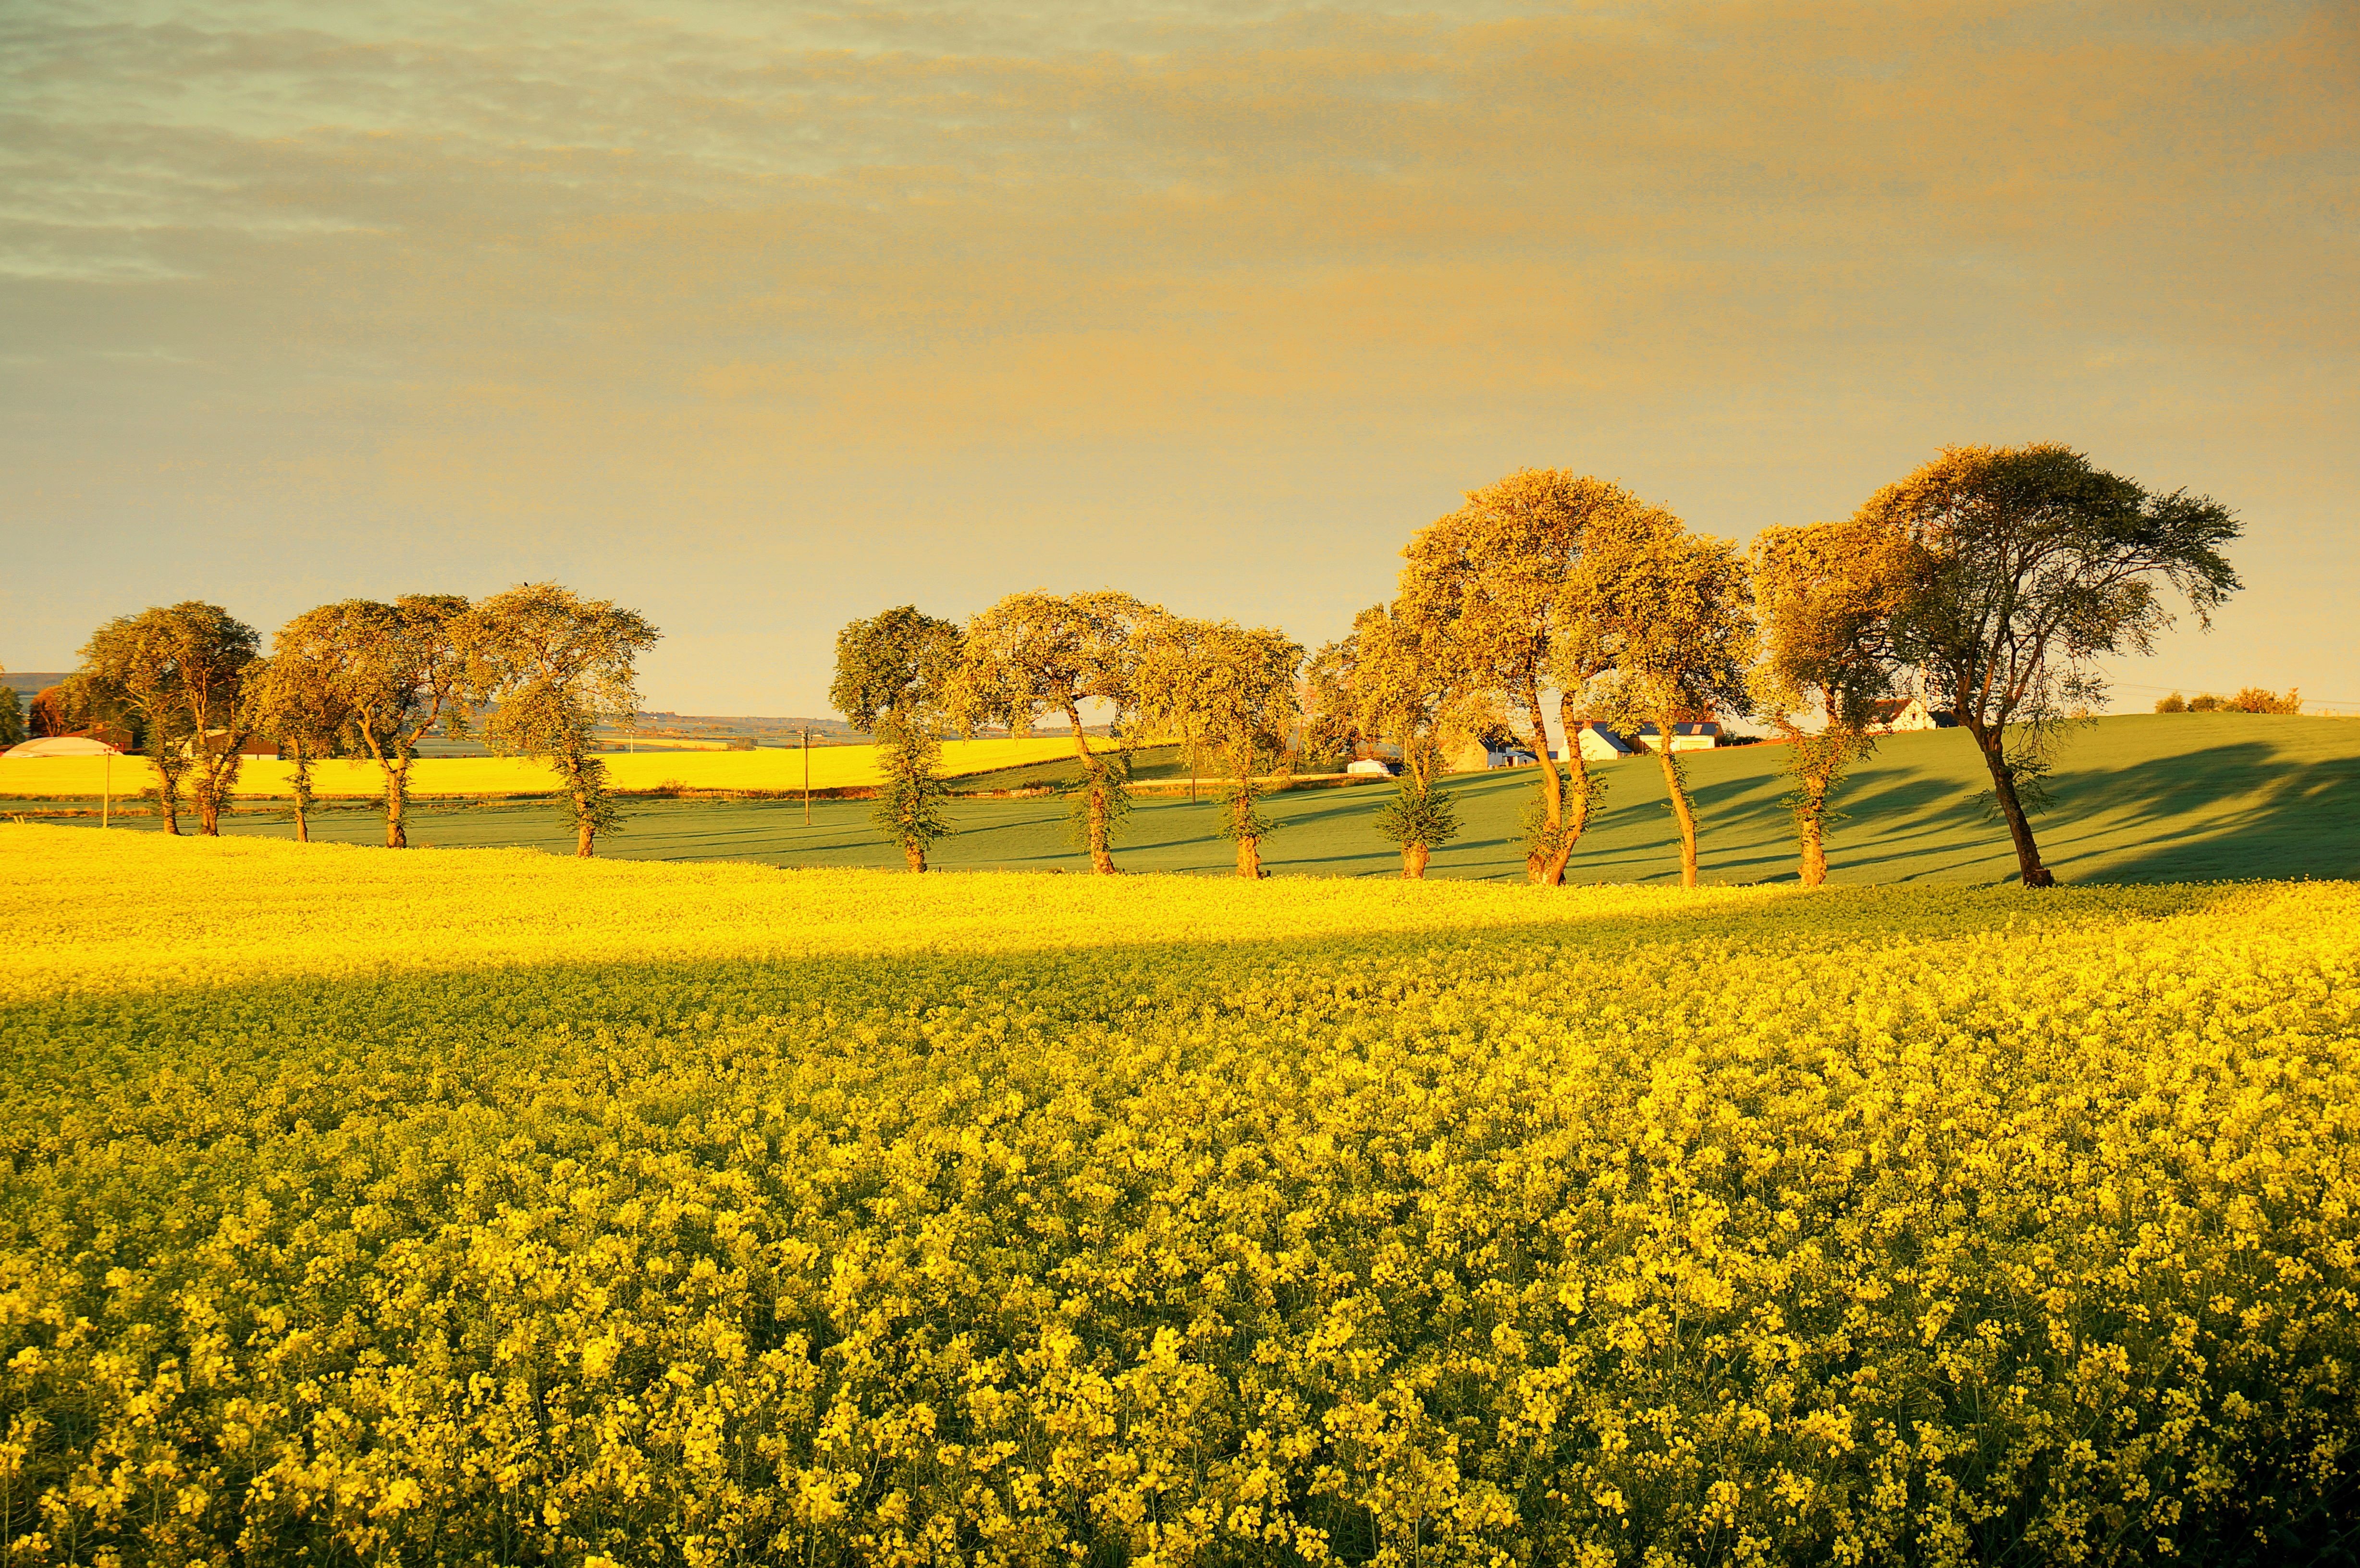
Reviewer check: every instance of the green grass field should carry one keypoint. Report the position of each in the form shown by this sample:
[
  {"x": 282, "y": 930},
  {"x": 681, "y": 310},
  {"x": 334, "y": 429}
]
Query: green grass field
[{"x": 2140, "y": 799}]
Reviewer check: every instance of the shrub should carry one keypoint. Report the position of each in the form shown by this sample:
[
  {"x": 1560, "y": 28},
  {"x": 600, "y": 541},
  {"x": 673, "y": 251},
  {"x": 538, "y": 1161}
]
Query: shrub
[
  {"x": 2174, "y": 704},
  {"x": 2257, "y": 699}
]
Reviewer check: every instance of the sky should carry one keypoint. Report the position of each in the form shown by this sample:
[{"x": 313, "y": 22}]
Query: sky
[{"x": 757, "y": 317}]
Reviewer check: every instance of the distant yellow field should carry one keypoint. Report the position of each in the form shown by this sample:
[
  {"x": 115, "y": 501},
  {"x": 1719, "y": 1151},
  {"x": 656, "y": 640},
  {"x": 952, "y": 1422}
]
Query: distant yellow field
[{"x": 832, "y": 767}]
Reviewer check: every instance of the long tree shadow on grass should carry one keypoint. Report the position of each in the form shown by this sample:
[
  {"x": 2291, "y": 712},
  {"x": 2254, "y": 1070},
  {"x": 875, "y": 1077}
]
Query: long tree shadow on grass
[{"x": 2236, "y": 811}]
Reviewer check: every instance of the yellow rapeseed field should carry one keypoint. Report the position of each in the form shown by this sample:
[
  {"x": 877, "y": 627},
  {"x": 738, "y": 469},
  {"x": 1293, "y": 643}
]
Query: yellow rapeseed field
[
  {"x": 776, "y": 769},
  {"x": 484, "y": 1207}
]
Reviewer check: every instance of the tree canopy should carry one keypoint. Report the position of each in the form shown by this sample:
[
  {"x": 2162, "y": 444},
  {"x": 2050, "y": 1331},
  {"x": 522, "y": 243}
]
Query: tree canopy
[
  {"x": 1493, "y": 575},
  {"x": 898, "y": 661},
  {"x": 295, "y": 697},
  {"x": 893, "y": 677},
  {"x": 1394, "y": 679}
]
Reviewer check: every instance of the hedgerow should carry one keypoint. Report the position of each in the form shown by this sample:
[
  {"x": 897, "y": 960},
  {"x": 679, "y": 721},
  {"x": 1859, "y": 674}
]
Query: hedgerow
[{"x": 569, "y": 1213}]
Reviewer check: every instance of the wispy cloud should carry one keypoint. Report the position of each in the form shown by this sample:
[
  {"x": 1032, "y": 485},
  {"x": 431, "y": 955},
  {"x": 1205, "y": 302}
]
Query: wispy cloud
[{"x": 545, "y": 262}]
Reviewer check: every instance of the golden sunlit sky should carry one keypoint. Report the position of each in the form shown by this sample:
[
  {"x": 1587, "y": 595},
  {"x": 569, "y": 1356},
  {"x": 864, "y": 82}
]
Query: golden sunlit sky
[{"x": 759, "y": 317}]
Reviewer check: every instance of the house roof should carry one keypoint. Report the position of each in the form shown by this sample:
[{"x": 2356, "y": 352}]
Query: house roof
[{"x": 63, "y": 746}]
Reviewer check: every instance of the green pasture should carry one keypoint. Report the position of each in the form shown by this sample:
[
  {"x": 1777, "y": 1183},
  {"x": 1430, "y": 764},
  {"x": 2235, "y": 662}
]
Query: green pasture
[{"x": 2142, "y": 799}]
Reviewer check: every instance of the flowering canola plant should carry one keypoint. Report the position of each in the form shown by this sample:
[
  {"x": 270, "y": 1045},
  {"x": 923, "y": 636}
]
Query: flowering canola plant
[
  {"x": 771, "y": 768},
  {"x": 476, "y": 1206}
]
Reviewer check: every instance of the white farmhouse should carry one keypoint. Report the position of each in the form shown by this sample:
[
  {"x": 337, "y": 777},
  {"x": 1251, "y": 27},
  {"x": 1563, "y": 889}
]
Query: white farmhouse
[
  {"x": 1698, "y": 736},
  {"x": 1599, "y": 744},
  {"x": 1901, "y": 715}
]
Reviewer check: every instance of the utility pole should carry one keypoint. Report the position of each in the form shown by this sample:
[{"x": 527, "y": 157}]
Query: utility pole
[{"x": 806, "y": 776}]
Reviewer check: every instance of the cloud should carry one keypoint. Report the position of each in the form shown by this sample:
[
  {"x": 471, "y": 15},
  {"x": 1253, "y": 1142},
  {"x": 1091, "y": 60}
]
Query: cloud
[{"x": 579, "y": 272}]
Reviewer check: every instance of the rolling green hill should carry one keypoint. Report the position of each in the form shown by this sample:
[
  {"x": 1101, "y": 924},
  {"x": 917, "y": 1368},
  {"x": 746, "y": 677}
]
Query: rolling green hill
[{"x": 2141, "y": 799}]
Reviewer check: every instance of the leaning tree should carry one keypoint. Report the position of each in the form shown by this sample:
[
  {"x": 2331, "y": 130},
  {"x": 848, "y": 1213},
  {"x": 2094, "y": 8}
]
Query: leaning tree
[
  {"x": 1033, "y": 654},
  {"x": 1826, "y": 594},
  {"x": 893, "y": 679},
  {"x": 2031, "y": 564}
]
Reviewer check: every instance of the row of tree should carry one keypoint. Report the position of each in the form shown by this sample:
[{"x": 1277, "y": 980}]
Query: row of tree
[
  {"x": 189, "y": 685},
  {"x": 1991, "y": 580}
]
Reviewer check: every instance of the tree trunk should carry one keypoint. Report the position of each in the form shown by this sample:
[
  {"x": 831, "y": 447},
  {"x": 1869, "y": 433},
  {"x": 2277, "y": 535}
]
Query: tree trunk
[
  {"x": 1413, "y": 859},
  {"x": 1681, "y": 806},
  {"x": 396, "y": 804},
  {"x": 301, "y": 781},
  {"x": 915, "y": 854},
  {"x": 583, "y": 831},
  {"x": 1577, "y": 798},
  {"x": 1814, "y": 848},
  {"x": 168, "y": 800},
  {"x": 1102, "y": 860},
  {"x": 1545, "y": 870},
  {"x": 1250, "y": 858},
  {"x": 208, "y": 810},
  {"x": 2010, "y": 810}
]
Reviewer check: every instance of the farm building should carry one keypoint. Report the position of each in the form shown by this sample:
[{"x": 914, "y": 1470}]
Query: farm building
[
  {"x": 1599, "y": 744},
  {"x": 1900, "y": 716},
  {"x": 1475, "y": 757},
  {"x": 1702, "y": 735},
  {"x": 1373, "y": 767},
  {"x": 220, "y": 742}
]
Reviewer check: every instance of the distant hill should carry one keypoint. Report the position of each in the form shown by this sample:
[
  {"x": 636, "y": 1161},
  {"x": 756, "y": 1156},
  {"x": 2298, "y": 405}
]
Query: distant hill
[
  {"x": 27, "y": 683},
  {"x": 765, "y": 730}
]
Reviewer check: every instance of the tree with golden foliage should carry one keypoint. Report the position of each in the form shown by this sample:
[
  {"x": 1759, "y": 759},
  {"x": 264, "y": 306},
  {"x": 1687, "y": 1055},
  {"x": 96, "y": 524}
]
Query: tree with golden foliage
[
  {"x": 553, "y": 665},
  {"x": 892, "y": 678},
  {"x": 176, "y": 670},
  {"x": 2030, "y": 565},
  {"x": 1037, "y": 653},
  {"x": 1675, "y": 612},
  {"x": 1231, "y": 690},
  {"x": 1393, "y": 678},
  {"x": 1826, "y": 594},
  {"x": 1493, "y": 575},
  {"x": 295, "y": 697},
  {"x": 395, "y": 671}
]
